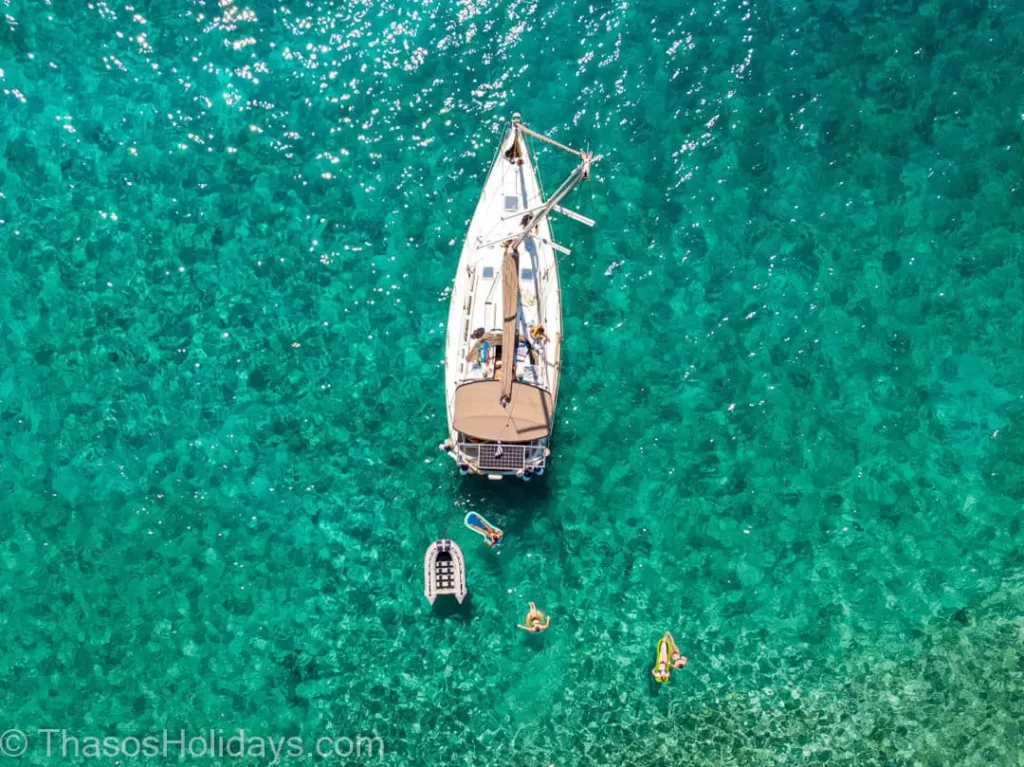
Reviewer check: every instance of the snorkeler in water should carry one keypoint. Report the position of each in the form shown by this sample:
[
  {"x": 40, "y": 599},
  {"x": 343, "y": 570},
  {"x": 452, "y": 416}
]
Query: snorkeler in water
[{"x": 535, "y": 620}]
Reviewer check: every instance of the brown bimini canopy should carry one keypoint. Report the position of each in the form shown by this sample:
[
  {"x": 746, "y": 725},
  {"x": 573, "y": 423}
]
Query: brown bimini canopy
[{"x": 479, "y": 413}]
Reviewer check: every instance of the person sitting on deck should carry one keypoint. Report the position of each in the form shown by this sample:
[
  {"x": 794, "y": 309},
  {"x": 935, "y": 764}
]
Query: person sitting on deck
[{"x": 535, "y": 620}]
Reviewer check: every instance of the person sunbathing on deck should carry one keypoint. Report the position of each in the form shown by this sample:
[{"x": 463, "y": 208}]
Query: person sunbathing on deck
[{"x": 535, "y": 620}]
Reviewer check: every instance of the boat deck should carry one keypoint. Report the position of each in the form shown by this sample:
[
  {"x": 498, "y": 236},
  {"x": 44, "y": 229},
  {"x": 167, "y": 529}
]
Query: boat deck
[{"x": 482, "y": 318}]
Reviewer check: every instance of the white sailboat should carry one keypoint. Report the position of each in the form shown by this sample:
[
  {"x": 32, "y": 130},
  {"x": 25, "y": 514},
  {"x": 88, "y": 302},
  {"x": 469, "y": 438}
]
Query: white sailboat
[{"x": 502, "y": 359}]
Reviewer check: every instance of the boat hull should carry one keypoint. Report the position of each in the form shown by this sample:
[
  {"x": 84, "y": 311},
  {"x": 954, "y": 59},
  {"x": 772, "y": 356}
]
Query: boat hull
[{"x": 475, "y": 318}]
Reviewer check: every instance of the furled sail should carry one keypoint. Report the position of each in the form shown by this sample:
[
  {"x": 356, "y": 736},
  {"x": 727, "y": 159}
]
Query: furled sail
[{"x": 510, "y": 313}]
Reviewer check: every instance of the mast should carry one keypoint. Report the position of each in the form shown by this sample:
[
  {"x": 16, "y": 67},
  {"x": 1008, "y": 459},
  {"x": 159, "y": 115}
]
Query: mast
[
  {"x": 581, "y": 173},
  {"x": 510, "y": 263}
]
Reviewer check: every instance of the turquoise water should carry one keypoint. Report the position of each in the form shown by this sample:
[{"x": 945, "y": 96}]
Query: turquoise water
[{"x": 790, "y": 424}]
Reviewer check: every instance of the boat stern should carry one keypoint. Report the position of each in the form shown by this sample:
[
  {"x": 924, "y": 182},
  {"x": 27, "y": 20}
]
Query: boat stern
[{"x": 497, "y": 460}]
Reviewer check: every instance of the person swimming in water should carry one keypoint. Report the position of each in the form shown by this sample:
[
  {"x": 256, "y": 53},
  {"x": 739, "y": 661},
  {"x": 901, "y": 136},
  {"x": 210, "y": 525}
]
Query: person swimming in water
[{"x": 535, "y": 620}]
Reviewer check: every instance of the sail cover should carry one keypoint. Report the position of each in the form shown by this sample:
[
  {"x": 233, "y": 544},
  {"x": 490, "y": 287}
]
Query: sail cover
[{"x": 478, "y": 412}]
